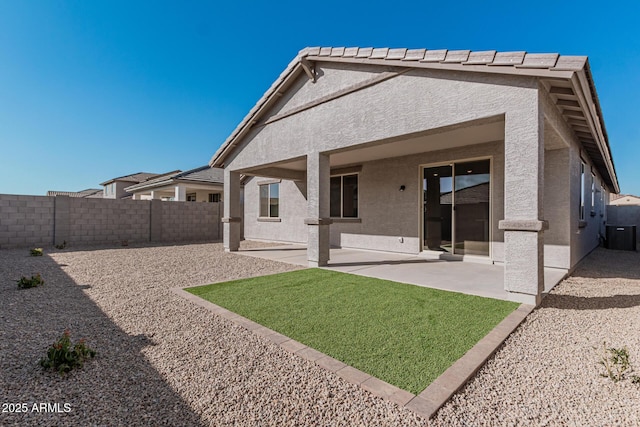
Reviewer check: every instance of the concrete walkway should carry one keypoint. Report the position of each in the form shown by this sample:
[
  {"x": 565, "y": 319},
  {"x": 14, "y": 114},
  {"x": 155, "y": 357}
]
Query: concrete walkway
[{"x": 486, "y": 280}]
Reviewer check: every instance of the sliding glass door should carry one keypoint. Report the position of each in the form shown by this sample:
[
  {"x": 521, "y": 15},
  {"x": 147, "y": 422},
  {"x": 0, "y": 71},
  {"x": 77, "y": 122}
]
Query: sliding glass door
[{"x": 456, "y": 208}]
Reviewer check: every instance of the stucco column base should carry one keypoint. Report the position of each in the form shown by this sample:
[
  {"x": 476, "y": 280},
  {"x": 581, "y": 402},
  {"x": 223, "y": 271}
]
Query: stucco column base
[
  {"x": 524, "y": 267},
  {"x": 231, "y": 234},
  {"x": 318, "y": 245}
]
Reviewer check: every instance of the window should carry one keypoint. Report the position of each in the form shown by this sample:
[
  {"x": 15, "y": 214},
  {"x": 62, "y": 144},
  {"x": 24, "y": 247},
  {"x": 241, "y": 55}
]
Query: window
[
  {"x": 344, "y": 196},
  {"x": 582, "y": 190},
  {"x": 270, "y": 200},
  {"x": 214, "y": 197},
  {"x": 191, "y": 197}
]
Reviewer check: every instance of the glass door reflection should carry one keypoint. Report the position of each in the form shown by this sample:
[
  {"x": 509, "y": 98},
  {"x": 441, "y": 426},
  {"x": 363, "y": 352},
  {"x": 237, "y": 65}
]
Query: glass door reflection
[
  {"x": 471, "y": 207},
  {"x": 456, "y": 208},
  {"x": 438, "y": 207}
]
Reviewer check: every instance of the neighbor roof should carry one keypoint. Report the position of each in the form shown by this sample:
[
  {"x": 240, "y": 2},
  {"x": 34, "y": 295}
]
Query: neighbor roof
[
  {"x": 578, "y": 102},
  {"x": 614, "y": 197},
  {"x": 88, "y": 193},
  {"x": 203, "y": 175},
  {"x": 134, "y": 177}
]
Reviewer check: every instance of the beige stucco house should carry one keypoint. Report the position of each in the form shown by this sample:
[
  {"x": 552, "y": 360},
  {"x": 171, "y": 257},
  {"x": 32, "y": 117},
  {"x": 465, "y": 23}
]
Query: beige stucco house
[
  {"x": 497, "y": 157},
  {"x": 624, "y": 200},
  {"x": 202, "y": 184},
  {"x": 115, "y": 188}
]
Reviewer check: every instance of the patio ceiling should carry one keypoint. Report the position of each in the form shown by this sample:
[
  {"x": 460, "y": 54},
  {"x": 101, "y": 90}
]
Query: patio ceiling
[{"x": 479, "y": 132}]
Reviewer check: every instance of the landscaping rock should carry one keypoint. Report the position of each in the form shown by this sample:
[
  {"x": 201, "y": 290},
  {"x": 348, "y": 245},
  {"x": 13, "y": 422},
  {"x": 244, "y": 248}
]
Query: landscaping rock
[
  {"x": 547, "y": 372},
  {"x": 165, "y": 361},
  {"x": 161, "y": 359}
]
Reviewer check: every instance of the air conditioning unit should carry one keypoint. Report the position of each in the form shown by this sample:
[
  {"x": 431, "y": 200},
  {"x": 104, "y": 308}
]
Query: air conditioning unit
[{"x": 621, "y": 237}]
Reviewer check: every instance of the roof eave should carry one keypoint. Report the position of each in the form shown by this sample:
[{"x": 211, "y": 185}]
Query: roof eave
[
  {"x": 197, "y": 181},
  {"x": 291, "y": 72},
  {"x": 146, "y": 185},
  {"x": 295, "y": 68},
  {"x": 570, "y": 67},
  {"x": 562, "y": 73},
  {"x": 587, "y": 86}
]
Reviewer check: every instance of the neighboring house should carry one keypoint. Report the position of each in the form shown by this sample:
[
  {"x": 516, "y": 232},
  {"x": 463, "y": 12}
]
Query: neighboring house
[
  {"x": 624, "y": 200},
  {"x": 115, "y": 188},
  {"x": 90, "y": 193},
  {"x": 203, "y": 184},
  {"x": 358, "y": 147}
]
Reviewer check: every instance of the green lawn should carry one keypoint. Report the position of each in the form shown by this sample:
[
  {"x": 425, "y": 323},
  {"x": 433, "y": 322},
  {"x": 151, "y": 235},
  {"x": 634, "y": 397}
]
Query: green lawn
[{"x": 403, "y": 334}]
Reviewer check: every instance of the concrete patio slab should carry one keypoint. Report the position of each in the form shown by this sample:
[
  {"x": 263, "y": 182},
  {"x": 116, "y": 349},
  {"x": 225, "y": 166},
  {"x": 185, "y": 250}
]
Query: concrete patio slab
[{"x": 473, "y": 278}]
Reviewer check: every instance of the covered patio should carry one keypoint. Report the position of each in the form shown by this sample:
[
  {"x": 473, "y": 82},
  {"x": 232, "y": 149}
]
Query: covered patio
[
  {"x": 481, "y": 279},
  {"x": 503, "y": 158}
]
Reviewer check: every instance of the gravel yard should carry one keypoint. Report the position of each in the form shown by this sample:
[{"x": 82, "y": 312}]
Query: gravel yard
[
  {"x": 547, "y": 372},
  {"x": 163, "y": 361}
]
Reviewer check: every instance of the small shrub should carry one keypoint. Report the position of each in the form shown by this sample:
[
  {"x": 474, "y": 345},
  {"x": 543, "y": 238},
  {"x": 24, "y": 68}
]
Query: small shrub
[
  {"x": 62, "y": 245},
  {"x": 34, "y": 281},
  {"x": 635, "y": 379},
  {"x": 36, "y": 252},
  {"x": 63, "y": 355},
  {"x": 616, "y": 363}
]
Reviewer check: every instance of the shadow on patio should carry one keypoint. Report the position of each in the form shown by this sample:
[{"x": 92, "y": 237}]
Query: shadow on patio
[{"x": 481, "y": 279}]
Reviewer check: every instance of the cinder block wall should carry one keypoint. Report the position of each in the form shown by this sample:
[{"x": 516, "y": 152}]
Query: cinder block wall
[
  {"x": 33, "y": 221},
  {"x": 108, "y": 221},
  {"x": 183, "y": 221},
  {"x": 26, "y": 220}
]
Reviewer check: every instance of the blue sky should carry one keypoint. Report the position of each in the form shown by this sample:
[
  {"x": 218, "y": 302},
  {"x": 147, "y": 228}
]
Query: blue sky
[{"x": 91, "y": 90}]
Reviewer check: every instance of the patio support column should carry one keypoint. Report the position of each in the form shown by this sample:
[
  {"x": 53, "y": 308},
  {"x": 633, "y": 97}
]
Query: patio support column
[
  {"x": 180, "y": 193},
  {"x": 523, "y": 202},
  {"x": 232, "y": 218},
  {"x": 318, "y": 220},
  {"x": 155, "y": 195}
]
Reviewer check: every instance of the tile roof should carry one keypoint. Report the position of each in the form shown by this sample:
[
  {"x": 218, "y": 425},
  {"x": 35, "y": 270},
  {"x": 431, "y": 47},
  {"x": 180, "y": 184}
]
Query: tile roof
[
  {"x": 551, "y": 66},
  {"x": 88, "y": 193},
  {"x": 204, "y": 174},
  {"x": 550, "y": 61},
  {"x": 614, "y": 197},
  {"x": 134, "y": 177}
]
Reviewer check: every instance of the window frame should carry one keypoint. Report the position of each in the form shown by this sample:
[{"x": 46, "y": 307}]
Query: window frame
[
  {"x": 342, "y": 176},
  {"x": 213, "y": 196},
  {"x": 593, "y": 194},
  {"x": 191, "y": 197},
  {"x": 582, "y": 190},
  {"x": 269, "y": 198}
]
